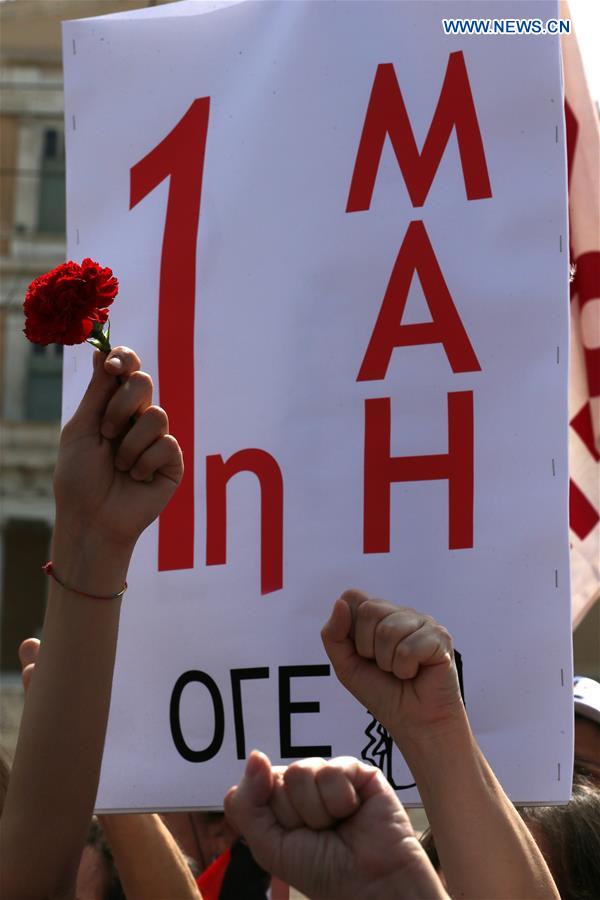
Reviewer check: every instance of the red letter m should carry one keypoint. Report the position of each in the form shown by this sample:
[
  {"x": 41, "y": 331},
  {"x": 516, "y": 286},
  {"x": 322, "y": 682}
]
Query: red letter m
[{"x": 386, "y": 115}]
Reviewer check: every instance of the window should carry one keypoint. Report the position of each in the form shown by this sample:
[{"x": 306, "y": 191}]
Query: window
[
  {"x": 25, "y": 548},
  {"x": 51, "y": 208},
  {"x": 44, "y": 383}
]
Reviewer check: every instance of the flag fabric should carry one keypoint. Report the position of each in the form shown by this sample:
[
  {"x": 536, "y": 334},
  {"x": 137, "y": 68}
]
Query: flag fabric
[
  {"x": 583, "y": 156},
  {"x": 210, "y": 880},
  {"x": 233, "y": 875}
]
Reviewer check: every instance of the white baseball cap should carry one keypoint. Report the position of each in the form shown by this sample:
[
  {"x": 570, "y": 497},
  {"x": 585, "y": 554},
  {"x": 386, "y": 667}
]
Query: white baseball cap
[{"x": 586, "y": 693}]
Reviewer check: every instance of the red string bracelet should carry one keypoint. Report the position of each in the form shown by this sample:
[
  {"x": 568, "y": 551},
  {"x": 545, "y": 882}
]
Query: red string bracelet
[{"x": 48, "y": 569}]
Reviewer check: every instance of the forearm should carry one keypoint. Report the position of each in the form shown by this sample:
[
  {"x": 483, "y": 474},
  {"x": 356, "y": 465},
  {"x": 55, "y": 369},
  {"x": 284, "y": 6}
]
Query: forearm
[
  {"x": 150, "y": 864},
  {"x": 58, "y": 756},
  {"x": 484, "y": 848}
]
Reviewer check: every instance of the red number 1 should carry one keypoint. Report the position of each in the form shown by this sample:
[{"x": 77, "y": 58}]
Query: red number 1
[{"x": 180, "y": 157}]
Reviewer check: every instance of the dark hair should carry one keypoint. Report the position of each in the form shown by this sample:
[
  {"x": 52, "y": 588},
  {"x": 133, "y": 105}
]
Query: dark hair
[
  {"x": 588, "y": 767},
  {"x": 96, "y": 839},
  {"x": 569, "y": 838},
  {"x": 428, "y": 844}
]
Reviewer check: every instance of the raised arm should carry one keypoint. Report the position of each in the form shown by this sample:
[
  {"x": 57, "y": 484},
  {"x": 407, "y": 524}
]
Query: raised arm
[
  {"x": 399, "y": 664},
  {"x": 148, "y": 860},
  {"x": 104, "y": 500},
  {"x": 146, "y": 855}
]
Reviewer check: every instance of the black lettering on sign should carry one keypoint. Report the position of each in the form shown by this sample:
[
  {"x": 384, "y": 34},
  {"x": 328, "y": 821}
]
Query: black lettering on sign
[
  {"x": 237, "y": 676},
  {"x": 287, "y": 709},
  {"x": 459, "y": 672},
  {"x": 219, "y": 713}
]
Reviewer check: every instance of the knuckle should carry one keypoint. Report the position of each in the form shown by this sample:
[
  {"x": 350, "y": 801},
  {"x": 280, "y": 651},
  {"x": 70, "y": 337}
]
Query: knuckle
[
  {"x": 128, "y": 356},
  {"x": 370, "y": 610},
  {"x": 385, "y": 629},
  {"x": 170, "y": 444},
  {"x": 302, "y": 772},
  {"x": 352, "y": 595},
  {"x": 160, "y": 416},
  {"x": 409, "y": 611},
  {"x": 439, "y": 632},
  {"x": 403, "y": 650},
  {"x": 157, "y": 417},
  {"x": 405, "y": 668},
  {"x": 295, "y": 776},
  {"x": 330, "y": 775},
  {"x": 445, "y": 636},
  {"x": 308, "y": 764},
  {"x": 141, "y": 381}
]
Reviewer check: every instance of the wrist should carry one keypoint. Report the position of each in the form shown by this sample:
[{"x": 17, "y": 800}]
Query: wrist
[
  {"x": 413, "y": 877},
  {"x": 88, "y": 563},
  {"x": 427, "y": 742},
  {"x": 447, "y": 766}
]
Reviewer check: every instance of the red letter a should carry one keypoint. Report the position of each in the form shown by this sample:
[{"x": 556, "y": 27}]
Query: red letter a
[
  {"x": 218, "y": 473},
  {"x": 381, "y": 470},
  {"x": 416, "y": 255},
  {"x": 386, "y": 114}
]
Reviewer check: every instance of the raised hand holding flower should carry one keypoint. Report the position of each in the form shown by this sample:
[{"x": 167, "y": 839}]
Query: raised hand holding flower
[{"x": 116, "y": 440}]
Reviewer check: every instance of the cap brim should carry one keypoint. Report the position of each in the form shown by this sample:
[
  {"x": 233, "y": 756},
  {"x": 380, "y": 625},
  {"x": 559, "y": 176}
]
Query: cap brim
[{"x": 590, "y": 712}]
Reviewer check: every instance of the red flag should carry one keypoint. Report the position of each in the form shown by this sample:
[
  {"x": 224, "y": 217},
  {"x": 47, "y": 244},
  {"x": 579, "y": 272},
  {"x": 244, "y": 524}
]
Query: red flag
[
  {"x": 583, "y": 155},
  {"x": 211, "y": 880}
]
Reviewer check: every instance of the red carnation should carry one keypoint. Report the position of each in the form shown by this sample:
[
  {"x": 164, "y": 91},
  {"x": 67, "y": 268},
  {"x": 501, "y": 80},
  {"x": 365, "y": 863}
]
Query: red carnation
[{"x": 69, "y": 305}]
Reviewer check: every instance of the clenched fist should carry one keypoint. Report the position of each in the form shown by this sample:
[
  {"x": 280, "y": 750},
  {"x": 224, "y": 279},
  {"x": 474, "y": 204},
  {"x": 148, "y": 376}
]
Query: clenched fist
[
  {"x": 396, "y": 661},
  {"x": 335, "y": 830}
]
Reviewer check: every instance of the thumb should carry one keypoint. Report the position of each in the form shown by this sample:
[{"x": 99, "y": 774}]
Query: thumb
[
  {"x": 253, "y": 792},
  {"x": 337, "y": 634},
  {"x": 247, "y": 808},
  {"x": 102, "y": 386}
]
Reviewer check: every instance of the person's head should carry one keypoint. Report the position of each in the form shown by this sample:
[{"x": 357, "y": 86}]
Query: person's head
[
  {"x": 97, "y": 877},
  {"x": 586, "y": 694},
  {"x": 569, "y": 838}
]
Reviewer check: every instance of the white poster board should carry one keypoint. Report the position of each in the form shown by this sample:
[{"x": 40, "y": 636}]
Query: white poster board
[{"x": 271, "y": 332}]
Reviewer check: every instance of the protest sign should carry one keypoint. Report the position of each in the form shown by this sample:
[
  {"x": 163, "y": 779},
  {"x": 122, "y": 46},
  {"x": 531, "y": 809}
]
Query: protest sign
[{"x": 341, "y": 241}]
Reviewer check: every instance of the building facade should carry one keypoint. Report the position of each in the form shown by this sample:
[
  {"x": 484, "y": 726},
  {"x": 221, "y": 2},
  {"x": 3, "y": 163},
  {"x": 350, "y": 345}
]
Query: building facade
[{"x": 32, "y": 240}]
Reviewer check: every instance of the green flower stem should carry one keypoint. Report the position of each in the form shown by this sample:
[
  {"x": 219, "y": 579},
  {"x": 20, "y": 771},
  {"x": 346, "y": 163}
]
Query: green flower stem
[{"x": 99, "y": 339}]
